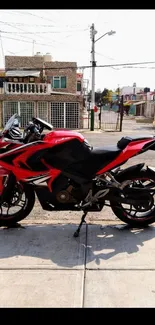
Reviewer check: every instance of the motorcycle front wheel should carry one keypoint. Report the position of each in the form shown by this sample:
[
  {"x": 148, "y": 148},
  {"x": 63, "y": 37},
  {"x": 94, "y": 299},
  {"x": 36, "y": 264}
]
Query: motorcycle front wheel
[
  {"x": 19, "y": 207},
  {"x": 137, "y": 215}
]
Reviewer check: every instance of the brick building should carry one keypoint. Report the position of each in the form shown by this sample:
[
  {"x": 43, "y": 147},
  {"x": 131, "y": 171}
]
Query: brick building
[{"x": 37, "y": 86}]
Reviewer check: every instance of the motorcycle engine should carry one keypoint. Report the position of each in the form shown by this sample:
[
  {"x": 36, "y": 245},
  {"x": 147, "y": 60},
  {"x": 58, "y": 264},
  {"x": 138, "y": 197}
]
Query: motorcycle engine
[{"x": 64, "y": 196}]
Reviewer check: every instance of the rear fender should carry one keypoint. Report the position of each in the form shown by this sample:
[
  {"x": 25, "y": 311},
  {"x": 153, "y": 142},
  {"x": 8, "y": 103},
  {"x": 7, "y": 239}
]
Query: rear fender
[
  {"x": 129, "y": 171},
  {"x": 151, "y": 171}
]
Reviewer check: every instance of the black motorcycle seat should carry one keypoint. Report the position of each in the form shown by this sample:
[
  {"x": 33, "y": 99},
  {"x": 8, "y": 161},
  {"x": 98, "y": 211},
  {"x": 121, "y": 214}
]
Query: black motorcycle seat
[
  {"x": 106, "y": 151},
  {"x": 103, "y": 155},
  {"x": 123, "y": 142}
]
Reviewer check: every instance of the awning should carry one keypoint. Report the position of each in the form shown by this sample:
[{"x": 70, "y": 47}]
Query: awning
[
  {"x": 22, "y": 73},
  {"x": 130, "y": 102},
  {"x": 139, "y": 103}
]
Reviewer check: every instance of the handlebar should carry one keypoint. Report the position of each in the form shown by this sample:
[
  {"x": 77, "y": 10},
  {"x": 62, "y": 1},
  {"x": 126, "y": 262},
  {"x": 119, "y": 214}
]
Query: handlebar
[{"x": 32, "y": 131}]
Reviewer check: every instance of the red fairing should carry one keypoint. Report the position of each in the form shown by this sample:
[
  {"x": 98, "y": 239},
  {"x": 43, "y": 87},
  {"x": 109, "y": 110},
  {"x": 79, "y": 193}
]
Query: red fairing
[
  {"x": 61, "y": 136},
  {"x": 4, "y": 143},
  {"x": 131, "y": 150},
  {"x": 3, "y": 172},
  {"x": 23, "y": 153}
]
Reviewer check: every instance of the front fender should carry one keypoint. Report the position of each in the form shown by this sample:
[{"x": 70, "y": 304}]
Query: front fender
[{"x": 129, "y": 171}]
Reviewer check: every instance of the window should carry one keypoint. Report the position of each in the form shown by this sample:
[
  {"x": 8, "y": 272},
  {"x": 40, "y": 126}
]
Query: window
[
  {"x": 78, "y": 85},
  {"x": 15, "y": 79},
  {"x": 31, "y": 79},
  {"x": 59, "y": 82}
]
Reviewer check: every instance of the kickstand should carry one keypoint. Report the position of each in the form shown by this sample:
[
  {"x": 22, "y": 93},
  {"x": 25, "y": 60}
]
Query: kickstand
[{"x": 76, "y": 234}]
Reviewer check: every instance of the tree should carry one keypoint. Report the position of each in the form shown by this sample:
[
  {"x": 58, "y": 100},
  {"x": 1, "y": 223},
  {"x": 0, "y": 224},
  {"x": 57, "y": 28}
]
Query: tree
[
  {"x": 102, "y": 97},
  {"x": 106, "y": 96}
]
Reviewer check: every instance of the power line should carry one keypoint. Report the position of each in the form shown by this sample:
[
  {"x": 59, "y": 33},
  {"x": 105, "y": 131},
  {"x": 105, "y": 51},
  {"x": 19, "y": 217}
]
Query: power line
[
  {"x": 19, "y": 13},
  {"x": 107, "y": 57},
  {"x": 47, "y": 32},
  {"x": 42, "y": 25},
  {"x": 28, "y": 25},
  {"x": 16, "y": 28},
  {"x": 44, "y": 18},
  {"x": 24, "y": 41},
  {"x": 27, "y": 36},
  {"x": 28, "y": 13},
  {"x": 118, "y": 64},
  {"x": 38, "y": 43}
]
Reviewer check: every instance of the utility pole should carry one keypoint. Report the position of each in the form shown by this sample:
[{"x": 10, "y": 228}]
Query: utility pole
[
  {"x": 93, "y": 63},
  {"x": 121, "y": 113}
]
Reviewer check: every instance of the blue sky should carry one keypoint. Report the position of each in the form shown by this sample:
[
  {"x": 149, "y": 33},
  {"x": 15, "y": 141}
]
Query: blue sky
[{"x": 66, "y": 35}]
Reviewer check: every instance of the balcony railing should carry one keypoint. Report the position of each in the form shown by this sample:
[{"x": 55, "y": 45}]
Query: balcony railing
[{"x": 27, "y": 88}]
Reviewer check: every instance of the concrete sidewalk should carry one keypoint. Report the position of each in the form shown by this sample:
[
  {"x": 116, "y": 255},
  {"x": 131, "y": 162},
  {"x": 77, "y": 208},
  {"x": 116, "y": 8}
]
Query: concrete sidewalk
[{"x": 107, "y": 266}]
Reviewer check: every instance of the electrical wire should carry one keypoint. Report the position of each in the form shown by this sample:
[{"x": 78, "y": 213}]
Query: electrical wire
[
  {"x": 24, "y": 41},
  {"x": 29, "y": 13},
  {"x": 45, "y": 18},
  {"x": 107, "y": 57},
  {"x": 27, "y": 36},
  {"x": 47, "y": 25},
  {"x": 47, "y": 32}
]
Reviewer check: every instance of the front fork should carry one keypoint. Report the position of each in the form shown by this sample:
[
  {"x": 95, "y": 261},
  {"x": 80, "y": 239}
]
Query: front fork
[{"x": 8, "y": 188}]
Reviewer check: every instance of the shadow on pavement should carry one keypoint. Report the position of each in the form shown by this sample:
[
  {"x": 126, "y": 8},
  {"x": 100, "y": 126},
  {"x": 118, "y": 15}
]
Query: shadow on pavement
[
  {"x": 110, "y": 241},
  {"x": 55, "y": 246}
]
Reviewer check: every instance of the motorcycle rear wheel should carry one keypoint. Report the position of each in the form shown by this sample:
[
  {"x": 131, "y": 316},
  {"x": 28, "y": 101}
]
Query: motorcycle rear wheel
[
  {"x": 131, "y": 215},
  {"x": 24, "y": 198}
]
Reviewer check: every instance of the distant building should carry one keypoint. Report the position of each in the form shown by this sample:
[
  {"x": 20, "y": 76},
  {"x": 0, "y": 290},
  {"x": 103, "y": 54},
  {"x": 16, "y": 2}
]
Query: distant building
[
  {"x": 129, "y": 92},
  {"x": 38, "y": 86}
]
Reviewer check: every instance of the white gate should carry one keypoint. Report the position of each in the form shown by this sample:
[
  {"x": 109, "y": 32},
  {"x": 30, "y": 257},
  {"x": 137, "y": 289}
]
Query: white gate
[
  {"x": 72, "y": 115},
  {"x": 57, "y": 115},
  {"x": 42, "y": 111},
  {"x": 9, "y": 108},
  {"x": 24, "y": 109},
  {"x": 60, "y": 115},
  {"x": 65, "y": 115},
  {"x": 26, "y": 112}
]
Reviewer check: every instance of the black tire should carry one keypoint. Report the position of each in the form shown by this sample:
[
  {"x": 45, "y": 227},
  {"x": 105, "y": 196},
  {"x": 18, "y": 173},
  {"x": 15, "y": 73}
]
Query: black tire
[
  {"x": 12, "y": 219},
  {"x": 123, "y": 215}
]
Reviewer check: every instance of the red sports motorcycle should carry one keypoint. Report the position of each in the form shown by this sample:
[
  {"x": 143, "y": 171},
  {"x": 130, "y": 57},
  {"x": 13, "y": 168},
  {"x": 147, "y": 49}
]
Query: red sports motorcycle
[{"x": 66, "y": 173}]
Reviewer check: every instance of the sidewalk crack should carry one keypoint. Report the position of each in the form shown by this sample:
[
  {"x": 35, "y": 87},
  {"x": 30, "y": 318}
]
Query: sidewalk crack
[{"x": 85, "y": 262}]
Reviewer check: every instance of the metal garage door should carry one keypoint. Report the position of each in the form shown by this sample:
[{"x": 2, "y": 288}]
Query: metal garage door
[
  {"x": 42, "y": 110},
  {"x": 65, "y": 115},
  {"x": 9, "y": 108},
  {"x": 24, "y": 109},
  {"x": 26, "y": 112}
]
